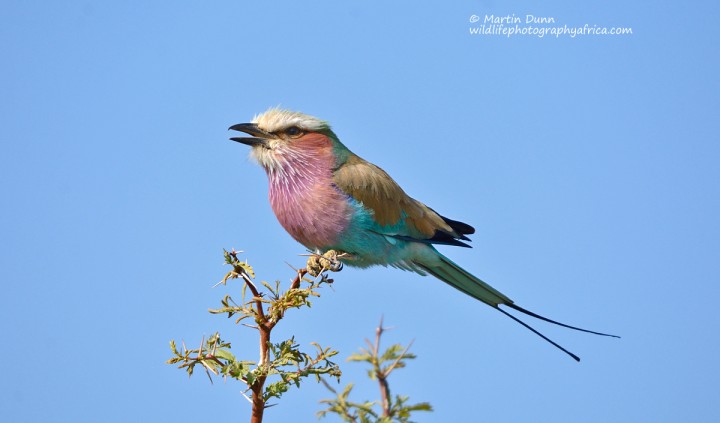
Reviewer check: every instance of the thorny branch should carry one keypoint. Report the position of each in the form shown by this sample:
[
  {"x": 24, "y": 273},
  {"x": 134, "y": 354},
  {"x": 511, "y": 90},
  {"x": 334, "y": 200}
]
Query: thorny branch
[
  {"x": 214, "y": 355},
  {"x": 382, "y": 365}
]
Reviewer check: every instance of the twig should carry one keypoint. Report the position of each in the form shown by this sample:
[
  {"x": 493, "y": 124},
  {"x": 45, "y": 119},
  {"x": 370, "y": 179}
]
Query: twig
[
  {"x": 397, "y": 360},
  {"x": 256, "y": 295},
  {"x": 381, "y": 376}
]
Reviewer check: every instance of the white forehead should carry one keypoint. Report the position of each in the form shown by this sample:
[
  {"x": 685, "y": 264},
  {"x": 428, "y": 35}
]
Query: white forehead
[{"x": 278, "y": 119}]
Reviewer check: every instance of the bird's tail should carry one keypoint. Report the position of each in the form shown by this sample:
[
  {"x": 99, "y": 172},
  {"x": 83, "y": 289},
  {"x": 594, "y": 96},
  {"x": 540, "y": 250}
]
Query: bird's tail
[{"x": 457, "y": 277}]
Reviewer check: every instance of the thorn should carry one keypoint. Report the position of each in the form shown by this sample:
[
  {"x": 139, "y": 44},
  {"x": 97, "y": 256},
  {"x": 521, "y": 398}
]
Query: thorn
[
  {"x": 327, "y": 385},
  {"x": 246, "y": 397},
  {"x": 400, "y": 357}
]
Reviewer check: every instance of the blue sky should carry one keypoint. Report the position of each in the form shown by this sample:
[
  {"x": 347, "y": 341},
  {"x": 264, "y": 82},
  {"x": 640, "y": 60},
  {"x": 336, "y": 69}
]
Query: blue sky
[{"x": 588, "y": 166}]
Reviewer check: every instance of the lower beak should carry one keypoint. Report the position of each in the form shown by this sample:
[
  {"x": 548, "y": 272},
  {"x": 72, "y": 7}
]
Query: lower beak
[{"x": 259, "y": 137}]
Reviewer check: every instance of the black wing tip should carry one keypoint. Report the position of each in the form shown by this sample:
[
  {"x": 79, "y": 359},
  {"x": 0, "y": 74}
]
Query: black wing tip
[
  {"x": 439, "y": 237},
  {"x": 461, "y": 228}
]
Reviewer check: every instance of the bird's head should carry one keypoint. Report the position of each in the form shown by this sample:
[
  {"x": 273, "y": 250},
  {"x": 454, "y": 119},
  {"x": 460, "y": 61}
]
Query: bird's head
[{"x": 281, "y": 137}]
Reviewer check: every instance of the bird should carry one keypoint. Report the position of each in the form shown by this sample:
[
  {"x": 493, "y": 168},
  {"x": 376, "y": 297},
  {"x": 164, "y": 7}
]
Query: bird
[{"x": 328, "y": 198}]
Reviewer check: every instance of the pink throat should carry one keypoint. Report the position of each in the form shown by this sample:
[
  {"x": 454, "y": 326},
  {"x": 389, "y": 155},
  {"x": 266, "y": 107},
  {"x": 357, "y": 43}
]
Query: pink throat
[{"x": 306, "y": 202}]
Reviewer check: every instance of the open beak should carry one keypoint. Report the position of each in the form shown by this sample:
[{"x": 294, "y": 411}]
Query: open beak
[{"x": 259, "y": 137}]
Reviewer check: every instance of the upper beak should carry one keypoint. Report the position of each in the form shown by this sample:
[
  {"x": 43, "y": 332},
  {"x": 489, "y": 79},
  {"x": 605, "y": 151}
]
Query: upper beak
[{"x": 259, "y": 137}]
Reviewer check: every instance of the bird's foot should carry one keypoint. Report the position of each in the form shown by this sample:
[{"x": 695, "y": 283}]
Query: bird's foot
[{"x": 317, "y": 264}]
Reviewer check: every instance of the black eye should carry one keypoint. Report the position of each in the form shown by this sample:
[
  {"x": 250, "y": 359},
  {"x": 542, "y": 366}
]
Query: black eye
[{"x": 293, "y": 131}]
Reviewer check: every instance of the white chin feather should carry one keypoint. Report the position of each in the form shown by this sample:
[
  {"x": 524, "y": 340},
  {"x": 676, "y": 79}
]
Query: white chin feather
[
  {"x": 265, "y": 157},
  {"x": 278, "y": 156}
]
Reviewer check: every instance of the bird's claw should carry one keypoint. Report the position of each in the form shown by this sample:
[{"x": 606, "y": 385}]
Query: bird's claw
[{"x": 317, "y": 264}]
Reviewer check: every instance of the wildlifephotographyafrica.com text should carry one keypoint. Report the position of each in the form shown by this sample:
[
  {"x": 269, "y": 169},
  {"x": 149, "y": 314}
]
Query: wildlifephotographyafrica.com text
[{"x": 537, "y": 26}]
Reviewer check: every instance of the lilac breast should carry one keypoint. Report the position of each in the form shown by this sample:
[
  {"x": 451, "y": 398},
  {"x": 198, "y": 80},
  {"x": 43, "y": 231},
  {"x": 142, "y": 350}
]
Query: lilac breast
[{"x": 307, "y": 204}]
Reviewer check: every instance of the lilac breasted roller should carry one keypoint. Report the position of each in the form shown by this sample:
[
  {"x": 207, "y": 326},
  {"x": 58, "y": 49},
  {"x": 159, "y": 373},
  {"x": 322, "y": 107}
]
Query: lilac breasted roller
[{"x": 328, "y": 198}]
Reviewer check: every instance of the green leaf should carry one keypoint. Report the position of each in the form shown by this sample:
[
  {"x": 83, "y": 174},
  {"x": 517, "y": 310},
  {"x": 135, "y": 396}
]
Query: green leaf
[
  {"x": 246, "y": 268},
  {"x": 359, "y": 357},
  {"x": 224, "y": 354},
  {"x": 250, "y": 377},
  {"x": 275, "y": 389},
  {"x": 423, "y": 406}
]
